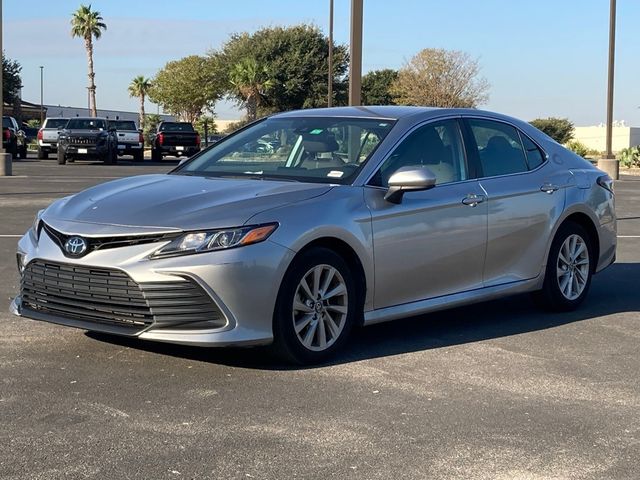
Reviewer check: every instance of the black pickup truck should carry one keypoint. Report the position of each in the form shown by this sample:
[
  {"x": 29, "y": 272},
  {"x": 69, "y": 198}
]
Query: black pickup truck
[
  {"x": 174, "y": 138},
  {"x": 13, "y": 140},
  {"x": 87, "y": 138}
]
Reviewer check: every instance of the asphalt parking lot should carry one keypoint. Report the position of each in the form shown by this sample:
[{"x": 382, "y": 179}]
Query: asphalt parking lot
[{"x": 499, "y": 390}]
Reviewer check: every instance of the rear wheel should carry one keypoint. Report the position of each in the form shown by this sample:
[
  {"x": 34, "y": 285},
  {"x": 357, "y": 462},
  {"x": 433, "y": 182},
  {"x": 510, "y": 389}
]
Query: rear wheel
[
  {"x": 61, "y": 157},
  {"x": 316, "y": 307},
  {"x": 569, "y": 269},
  {"x": 42, "y": 154},
  {"x": 138, "y": 156},
  {"x": 23, "y": 152},
  {"x": 13, "y": 149}
]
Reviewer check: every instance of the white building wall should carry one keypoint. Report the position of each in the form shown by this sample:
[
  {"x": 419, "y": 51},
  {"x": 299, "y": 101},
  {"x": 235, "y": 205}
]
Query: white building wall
[{"x": 595, "y": 137}]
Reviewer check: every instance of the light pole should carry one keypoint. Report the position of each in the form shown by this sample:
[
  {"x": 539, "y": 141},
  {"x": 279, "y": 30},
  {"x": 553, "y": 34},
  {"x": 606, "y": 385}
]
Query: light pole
[
  {"x": 355, "y": 50},
  {"x": 41, "y": 95},
  {"x": 609, "y": 164},
  {"x": 330, "y": 80}
]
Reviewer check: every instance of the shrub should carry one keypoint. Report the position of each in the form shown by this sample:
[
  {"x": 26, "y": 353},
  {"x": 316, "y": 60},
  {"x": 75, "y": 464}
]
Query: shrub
[
  {"x": 560, "y": 129},
  {"x": 629, "y": 157},
  {"x": 578, "y": 148}
]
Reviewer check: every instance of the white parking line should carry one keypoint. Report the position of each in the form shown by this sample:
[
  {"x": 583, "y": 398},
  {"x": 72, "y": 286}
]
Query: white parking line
[{"x": 628, "y": 236}]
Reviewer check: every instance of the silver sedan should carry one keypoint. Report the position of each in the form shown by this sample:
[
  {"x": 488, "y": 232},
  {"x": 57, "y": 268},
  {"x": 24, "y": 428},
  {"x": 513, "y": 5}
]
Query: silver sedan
[{"x": 352, "y": 216}]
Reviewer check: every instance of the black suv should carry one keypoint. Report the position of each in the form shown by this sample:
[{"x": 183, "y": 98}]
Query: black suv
[{"x": 87, "y": 138}]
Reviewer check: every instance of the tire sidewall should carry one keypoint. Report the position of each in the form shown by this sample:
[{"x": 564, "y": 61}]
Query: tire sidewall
[{"x": 286, "y": 341}]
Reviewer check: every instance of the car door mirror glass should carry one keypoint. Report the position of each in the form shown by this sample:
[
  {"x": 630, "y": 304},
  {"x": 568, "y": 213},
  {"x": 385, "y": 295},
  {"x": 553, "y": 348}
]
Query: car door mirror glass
[{"x": 409, "y": 179}]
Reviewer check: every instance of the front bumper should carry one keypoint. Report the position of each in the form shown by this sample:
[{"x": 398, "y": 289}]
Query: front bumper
[
  {"x": 242, "y": 282},
  {"x": 89, "y": 151}
]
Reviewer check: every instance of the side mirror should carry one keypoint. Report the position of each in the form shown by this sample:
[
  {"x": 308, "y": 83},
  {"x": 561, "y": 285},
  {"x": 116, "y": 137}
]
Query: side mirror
[{"x": 409, "y": 179}]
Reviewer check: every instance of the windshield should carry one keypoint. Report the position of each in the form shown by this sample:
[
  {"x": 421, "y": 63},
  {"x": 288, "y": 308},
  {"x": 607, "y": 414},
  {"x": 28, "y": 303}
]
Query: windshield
[
  {"x": 86, "y": 124},
  {"x": 123, "y": 124},
  {"x": 311, "y": 149},
  {"x": 176, "y": 127},
  {"x": 56, "y": 122}
]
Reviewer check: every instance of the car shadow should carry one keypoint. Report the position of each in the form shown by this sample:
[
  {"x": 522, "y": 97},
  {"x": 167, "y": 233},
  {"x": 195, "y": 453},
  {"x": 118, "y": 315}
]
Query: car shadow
[{"x": 612, "y": 291}]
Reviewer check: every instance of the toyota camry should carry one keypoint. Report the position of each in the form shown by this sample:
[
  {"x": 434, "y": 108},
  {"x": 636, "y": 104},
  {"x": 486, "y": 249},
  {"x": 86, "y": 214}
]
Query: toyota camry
[{"x": 352, "y": 216}]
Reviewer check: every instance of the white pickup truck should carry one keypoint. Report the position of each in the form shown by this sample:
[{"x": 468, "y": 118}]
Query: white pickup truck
[
  {"x": 48, "y": 136},
  {"x": 130, "y": 139}
]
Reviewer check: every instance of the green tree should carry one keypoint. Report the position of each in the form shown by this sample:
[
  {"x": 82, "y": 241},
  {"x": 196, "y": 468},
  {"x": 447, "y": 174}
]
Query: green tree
[
  {"x": 210, "y": 120},
  {"x": 295, "y": 59},
  {"x": 11, "y": 81},
  {"x": 139, "y": 88},
  {"x": 188, "y": 87},
  {"x": 440, "y": 78},
  {"x": 560, "y": 129},
  {"x": 151, "y": 121},
  {"x": 250, "y": 83},
  {"x": 376, "y": 87},
  {"x": 87, "y": 24}
]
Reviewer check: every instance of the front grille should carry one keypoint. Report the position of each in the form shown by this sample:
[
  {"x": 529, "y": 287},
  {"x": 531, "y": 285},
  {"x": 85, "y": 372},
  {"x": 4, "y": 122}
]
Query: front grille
[
  {"x": 101, "y": 243},
  {"x": 83, "y": 141},
  {"x": 110, "y": 297}
]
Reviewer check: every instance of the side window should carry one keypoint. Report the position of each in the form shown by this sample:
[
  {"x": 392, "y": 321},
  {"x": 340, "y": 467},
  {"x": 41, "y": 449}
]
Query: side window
[
  {"x": 535, "y": 157},
  {"x": 499, "y": 148},
  {"x": 437, "y": 146}
]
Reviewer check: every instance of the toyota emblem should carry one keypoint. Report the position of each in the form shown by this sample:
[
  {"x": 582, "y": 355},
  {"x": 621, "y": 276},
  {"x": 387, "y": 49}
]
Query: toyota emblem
[{"x": 75, "y": 246}]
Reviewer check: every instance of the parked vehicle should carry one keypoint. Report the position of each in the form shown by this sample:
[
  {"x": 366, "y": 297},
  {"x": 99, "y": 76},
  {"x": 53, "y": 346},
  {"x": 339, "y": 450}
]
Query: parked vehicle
[
  {"x": 215, "y": 138},
  {"x": 237, "y": 246},
  {"x": 176, "y": 139},
  {"x": 30, "y": 133},
  {"x": 87, "y": 138},
  {"x": 48, "y": 136},
  {"x": 13, "y": 139},
  {"x": 130, "y": 139}
]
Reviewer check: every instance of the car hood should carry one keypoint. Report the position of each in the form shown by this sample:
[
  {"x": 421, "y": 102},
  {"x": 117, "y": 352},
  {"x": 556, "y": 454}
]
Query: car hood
[{"x": 163, "y": 203}]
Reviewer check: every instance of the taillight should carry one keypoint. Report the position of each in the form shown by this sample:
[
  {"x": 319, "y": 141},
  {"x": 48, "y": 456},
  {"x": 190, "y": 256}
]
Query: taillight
[
  {"x": 7, "y": 134},
  {"x": 140, "y": 138},
  {"x": 161, "y": 138},
  {"x": 39, "y": 134},
  {"x": 197, "y": 139},
  {"x": 605, "y": 182}
]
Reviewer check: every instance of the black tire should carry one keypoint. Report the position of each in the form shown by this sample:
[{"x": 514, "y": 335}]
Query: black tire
[
  {"x": 156, "y": 155},
  {"x": 287, "y": 345},
  {"x": 138, "y": 156},
  {"x": 42, "y": 154},
  {"x": 551, "y": 296},
  {"x": 23, "y": 152},
  {"x": 13, "y": 149},
  {"x": 62, "y": 159}
]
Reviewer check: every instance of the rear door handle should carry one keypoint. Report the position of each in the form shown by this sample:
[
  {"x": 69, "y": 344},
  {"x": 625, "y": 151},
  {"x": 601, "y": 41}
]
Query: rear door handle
[
  {"x": 549, "y": 188},
  {"x": 472, "y": 199}
]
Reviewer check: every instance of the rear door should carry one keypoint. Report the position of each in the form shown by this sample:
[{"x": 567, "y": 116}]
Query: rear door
[
  {"x": 525, "y": 196},
  {"x": 433, "y": 242}
]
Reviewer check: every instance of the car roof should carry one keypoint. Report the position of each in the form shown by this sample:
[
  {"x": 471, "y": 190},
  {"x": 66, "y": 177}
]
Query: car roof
[{"x": 89, "y": 118}]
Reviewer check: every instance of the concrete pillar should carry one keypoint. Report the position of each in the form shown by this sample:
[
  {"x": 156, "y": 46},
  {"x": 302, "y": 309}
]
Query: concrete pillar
[
  {"x": 610, "y": 166},
  {"x": 5, "y": 164}
]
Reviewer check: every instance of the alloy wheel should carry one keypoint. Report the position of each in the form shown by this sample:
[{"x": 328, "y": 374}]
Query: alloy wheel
[
  {"x": 320, "y": 307},
  {"x": 573, "y": 267}
]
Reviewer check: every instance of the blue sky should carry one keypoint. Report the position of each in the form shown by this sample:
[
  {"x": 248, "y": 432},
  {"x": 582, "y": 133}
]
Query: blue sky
[{"x": 542, "y": 58}]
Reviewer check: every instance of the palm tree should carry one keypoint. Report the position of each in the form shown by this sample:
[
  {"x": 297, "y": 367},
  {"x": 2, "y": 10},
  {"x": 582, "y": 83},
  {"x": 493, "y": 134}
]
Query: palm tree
[
  {"x": 87, "y": 24},
  {"x": 139, "y": 87},
  {"x": 251, "y": 83}
]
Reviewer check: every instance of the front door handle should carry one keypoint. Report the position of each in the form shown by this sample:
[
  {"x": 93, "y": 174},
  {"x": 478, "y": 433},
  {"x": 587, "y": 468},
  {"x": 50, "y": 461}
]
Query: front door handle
[
  {"x": 473, "y": 199},
  {"x": 549, "y": 188}
]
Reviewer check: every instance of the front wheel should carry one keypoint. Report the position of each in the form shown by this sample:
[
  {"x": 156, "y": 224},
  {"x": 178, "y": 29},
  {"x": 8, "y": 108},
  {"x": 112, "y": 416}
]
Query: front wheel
[
  {"x": 62, "y": 159},
  {"x": 569, "y": 269},
  {"x": 156, "y": 155},
  {"x": 315, "y": 308},
  {"x": 42, "y": 154}
]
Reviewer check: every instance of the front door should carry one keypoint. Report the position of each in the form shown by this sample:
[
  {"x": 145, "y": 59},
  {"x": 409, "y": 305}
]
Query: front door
[{"x": 432, "y": 243}]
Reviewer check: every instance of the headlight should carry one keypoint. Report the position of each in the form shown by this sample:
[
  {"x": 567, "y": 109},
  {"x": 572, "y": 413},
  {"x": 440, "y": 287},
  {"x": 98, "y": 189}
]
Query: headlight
[
  {"x": 36, "y": 224},
  {"x": 211, "y": 240}
]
